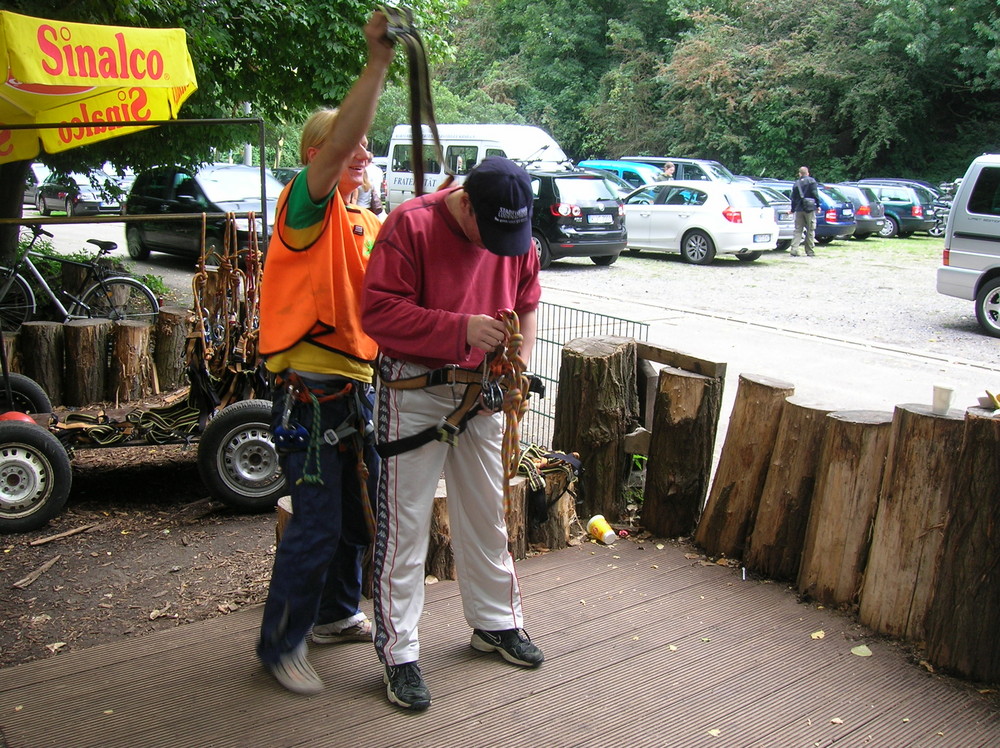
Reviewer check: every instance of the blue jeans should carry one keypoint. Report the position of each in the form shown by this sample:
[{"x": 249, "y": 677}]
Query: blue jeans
[{"x": 317, "y": 567}]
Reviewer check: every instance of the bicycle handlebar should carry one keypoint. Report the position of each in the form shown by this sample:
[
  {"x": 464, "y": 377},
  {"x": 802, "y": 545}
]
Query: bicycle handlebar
[{"x": 37, "y": 230}]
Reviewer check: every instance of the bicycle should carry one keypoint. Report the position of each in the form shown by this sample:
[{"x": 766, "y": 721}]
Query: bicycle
[{"x": 99, "y": 294}]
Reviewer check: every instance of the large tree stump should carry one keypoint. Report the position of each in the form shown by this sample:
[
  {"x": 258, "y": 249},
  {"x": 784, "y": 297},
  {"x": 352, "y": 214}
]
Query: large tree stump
[
  {"x": 912, "y": 511},
  {"x": 774, "y": 548},
  {"x": 169, "y": 347},
  {"x": 46, "y": 341},
  {"x": 131, "y": 373},
  {"x": 12, "y": 349},
  {"x": 679, "y": 464},
  {"x": 963, "y": 617},
  {"x": 86, "y": 361},
  {"x": 742, "y": 470},
  {"x": 553, "y": 532},
  {"x": 517, "y": 530},
  {"x": 596, "y": 407},
  {"x": 848, "y": 480}
]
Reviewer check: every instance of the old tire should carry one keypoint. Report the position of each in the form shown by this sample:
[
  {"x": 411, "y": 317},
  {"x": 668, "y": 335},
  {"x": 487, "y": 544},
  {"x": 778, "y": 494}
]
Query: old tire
[
  {"x": 748, "y": 256},
  {"x": 137, "y": 250},
  {"x": 35, "y": 476},
  {"x": 988, "y": 307},
  {"x": 26, "y": 396},
  {"x": 541, "y": 247},
  {"x": 698, "y": 248},
  {"x": 237, "y": 460}
]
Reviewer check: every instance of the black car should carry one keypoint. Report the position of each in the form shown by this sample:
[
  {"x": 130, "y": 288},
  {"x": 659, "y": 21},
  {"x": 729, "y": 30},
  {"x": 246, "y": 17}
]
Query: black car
[
  {"x": 909, "y": 206},
  {"x": 218, "y": 188},
  {"x": 577, "y": 213},
  {"x": 286, "y": 174},
  {"x": 869, "y": 213},
  {"x": 79, "y": 194}
]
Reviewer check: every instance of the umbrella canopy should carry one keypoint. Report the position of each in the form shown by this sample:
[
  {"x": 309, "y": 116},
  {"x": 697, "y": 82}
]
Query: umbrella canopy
[{"x": 85, "y": 78}]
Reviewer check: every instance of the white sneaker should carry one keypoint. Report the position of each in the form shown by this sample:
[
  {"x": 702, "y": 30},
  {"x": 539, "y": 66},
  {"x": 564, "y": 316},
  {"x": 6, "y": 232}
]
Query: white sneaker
[{"x": 294, "y": 672}]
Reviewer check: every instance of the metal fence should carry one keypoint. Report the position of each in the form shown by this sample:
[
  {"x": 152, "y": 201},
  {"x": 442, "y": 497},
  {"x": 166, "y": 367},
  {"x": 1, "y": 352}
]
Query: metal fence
[{"x": 557, "y": 325}]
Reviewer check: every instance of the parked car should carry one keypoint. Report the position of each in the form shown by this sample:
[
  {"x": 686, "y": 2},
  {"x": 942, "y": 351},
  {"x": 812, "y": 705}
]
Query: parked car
[
  {"x": 79, "y": 194},
  {"x": 869, "y": 213},
  {"x": 689, "y": 169},
  {"x": 35, "y": 176},
  {"x": 700, "y": 220},
  {"x": 782, "y": 214},
  {"x": 834, "y": 216},
  {"x": 909, "y": 207},
  {"x": 576, "y": 214},
  {"x": 635, "y": 174},
  {"x": 218, "y": 188},
  {"x": 285, "y": 174},
  {"x": 623, "y": 188}
]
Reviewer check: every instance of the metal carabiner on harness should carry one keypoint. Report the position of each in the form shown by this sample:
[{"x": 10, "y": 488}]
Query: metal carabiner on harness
[{"x": 289, "y": 436}]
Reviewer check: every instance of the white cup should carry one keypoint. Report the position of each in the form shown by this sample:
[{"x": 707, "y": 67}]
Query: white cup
[{"x": 942, "y": 399}]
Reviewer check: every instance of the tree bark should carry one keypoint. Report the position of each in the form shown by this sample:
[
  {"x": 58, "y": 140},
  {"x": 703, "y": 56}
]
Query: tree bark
[
  {"x": 12, "y": 349},
  {"x": 742, "y": 470},
  {"x": 46, "y": 341},
  {"x": 87, "y": 361},
  {"x": 440, "y": 556},
  {"x": 679, "y": 464},
  {"x": 173, "y": 325},
  {"x": 909, "y": 522},
  {"x": 554, "y": 532},
  {"x": 131, "y": 374},
  {"x": 596, "y": 407},
  {"x": 775, "y": 545},
  {"x": 963, "y": 617},
  {"x": 851, "y": 467}
]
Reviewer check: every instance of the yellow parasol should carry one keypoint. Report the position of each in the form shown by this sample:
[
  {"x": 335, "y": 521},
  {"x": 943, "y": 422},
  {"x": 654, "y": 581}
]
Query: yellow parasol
[{"x": 86, "y": 78}]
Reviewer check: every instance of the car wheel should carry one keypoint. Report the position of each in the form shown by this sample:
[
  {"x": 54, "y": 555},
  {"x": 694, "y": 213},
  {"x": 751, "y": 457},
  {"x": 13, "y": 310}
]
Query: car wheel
[
  {"x": 35, "y": 476},
  {"x": 988, "y": 307},
  {"x": 937, "y": 230},
  {"x": 698, "y": 248},
  {"x": 861, "y": 237},
  {"x": 889, "y": 229},
  {"x": 604, "y": 260},
  {"x": 70, "y": 208},
  {"x": 26, "y": 396},
  {"x": 541, "y": 248},
  {"x": 783, "y": 245},
  {"x": 133, "y": 241},
  {"x": 748, "y": 256},
  {"x": 824, "y": 239},
  {"x": 43, "y": 207}
]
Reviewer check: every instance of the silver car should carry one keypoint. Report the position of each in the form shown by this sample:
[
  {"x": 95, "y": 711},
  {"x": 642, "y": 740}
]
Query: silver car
[{"x": 782, "y": 213}]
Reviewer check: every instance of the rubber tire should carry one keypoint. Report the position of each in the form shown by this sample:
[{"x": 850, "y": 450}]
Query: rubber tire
[
  {"x": 237, "y": 460},
  {"x": 698, "y": 248},
  {"x": 861, "y": 237},
  {"x": 27, "y": 396},
  {"x": 748, "y": 257},
  {"x": 134, "y": 244},
  {"x": 937, "y": 230},
  {"x": 146, "y": 310},
  {"x": 604, "y": 260},
  {"x": 890, "y": 228},
  {"x": 70, "y": 212},
  {"x": 18, "y": 304},
  {"x": 824, "y": 239},
  {"x": 783, "y": 245},
  {"x": 541, "y": 247},
  {"x": 988, "y": 307},
  {"x": 43, "y": 207},
  {"x": 35, "y": 474}
]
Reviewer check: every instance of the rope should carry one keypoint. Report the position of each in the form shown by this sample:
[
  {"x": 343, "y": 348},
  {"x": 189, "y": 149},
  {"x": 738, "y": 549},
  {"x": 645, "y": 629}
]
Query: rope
[
  {"x": 507, "y": 368},
  {"x": 311, "y": 473}
]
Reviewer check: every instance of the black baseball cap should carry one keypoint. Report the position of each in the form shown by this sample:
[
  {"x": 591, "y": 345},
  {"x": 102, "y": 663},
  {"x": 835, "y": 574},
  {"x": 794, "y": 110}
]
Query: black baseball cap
[{"x": 500, "y": 193}]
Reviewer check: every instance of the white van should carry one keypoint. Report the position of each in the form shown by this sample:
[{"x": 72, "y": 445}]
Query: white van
[
  {"x": 971, "y": 265},
  {"x": 463, "y": 146}
]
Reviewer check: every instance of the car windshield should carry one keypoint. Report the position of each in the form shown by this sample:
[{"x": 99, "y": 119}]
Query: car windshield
[
  {"x": 836, "y": 194},
  {"x": 719, "y": 172},
  {"x": 746, "y": 199},
  {"x": 237, "y": 185},
  {"x": 583, "y": 188}
]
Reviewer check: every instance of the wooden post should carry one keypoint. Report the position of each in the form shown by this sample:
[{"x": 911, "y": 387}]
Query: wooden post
[
  {"x": 963, "y": 617},
  {"x": 909, "y": 523},
  {"x": 742, "y": 470},
  {"x": 596, "y": 407},
  {"x": 86, "y": 361},
  {"x": 169, "y": 347},
  {"x": 131, "y": 375},
  {"x": 517, "y": 531},
  {"x": 774, "y": 548},
  {"x": 46, "y": 341},
  {"x": 679, "y": 464},
  {"x": 848, "y": 479},
  {"x": 440, "y": 560}
]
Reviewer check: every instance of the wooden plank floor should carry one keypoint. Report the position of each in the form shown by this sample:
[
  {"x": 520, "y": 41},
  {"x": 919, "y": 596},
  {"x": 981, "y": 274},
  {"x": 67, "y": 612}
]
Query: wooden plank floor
[{"x": 645, "y": 647}]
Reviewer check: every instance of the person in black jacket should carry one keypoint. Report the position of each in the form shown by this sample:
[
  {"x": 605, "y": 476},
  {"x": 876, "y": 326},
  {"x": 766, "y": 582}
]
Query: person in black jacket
[{"x": 805, "y": 203}]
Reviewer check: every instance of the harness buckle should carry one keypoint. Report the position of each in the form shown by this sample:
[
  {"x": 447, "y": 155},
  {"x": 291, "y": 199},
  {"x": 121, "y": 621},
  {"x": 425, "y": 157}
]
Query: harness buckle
[{"x": 448, "y": 432}]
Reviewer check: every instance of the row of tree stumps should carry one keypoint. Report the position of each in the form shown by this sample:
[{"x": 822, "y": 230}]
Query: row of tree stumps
[{"x": 893, "y": 514}]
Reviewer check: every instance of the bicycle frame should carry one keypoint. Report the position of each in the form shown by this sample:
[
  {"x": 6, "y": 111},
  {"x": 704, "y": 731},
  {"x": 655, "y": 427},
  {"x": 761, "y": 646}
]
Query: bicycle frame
[{"x": 28, "y": 269}]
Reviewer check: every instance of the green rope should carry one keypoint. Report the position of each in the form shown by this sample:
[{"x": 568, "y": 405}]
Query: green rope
[{"x": 311, "y": 474}]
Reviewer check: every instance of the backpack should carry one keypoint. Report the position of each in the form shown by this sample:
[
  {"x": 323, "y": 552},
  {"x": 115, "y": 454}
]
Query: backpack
[{"x": 808, "y": 203}]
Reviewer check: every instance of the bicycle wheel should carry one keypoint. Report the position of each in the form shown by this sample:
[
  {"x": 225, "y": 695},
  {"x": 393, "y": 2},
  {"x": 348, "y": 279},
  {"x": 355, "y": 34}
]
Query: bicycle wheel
[
  {"x": 121, "y": 299},
  {"x": 17, "y": 305}
]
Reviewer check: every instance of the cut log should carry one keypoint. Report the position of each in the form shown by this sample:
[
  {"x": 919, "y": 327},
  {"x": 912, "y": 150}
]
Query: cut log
[
  {"x": 131, "y": 372},
  {"x": 774, "y": 548},
  {"x": 964, "y": 615},
  {"x": 909, "y": 522},
  {"x": 46, "y": 341},
  {"x": 848, "y": 480},
  {"x": 553, "y": 532},
  {"x": 679, "y": 468},
  {"x": 440, "y": 556},
  {"x": 173, "y": 325},
  {"x": 86, "y": 361},
  {"x": 742, "y": 470},
  {"x": 596, "y": 407},
  {"x": 12, "y": 349},
  {"x": 517, "y": 531}
]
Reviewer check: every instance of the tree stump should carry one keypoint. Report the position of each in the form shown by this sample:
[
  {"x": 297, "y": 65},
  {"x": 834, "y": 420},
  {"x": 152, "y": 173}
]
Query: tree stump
[
  {"x": 742, "y": 470},
  {"x": 963, "y": 617},
  {"x": 554, "y": 532},
  {"x": 774, "y": 548},
  {"x": 596, "y": 407},
  {"x": 131, "y": 373},
  {"x": 848, "y": 479},
  {"x": 517, "y": 531},
  {"x": 173, "y": 325},
  {"x": 440, "y": 556},
  {"x": 909, "y": 523},
  {"x": 46, "y": 341},
  {"x": 679, "y": 464},
  {"x": 12, "y": 349},
  {"x": 86, "y": 361}
]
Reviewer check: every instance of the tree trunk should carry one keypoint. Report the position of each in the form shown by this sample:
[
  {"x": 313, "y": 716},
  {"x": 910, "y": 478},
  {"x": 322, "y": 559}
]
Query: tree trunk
[
  {"x": 12, "y": 176},
  {"x": 851, "y": 467},
  {"x": 596, "y": 407},
  {"x": 440, "y": 560},
  {"x": 963, "y": 617},
  {"x": 554, "y": 532},
  {"x": 131, "y": 375},
  {"x": 775, "y": 545},
  {"x": 12, "y": 349},
  {"x": 909, "y": 523},
  {"x": 87, "y": 361},
  {"x": 742, "y": 470},
  {"x": 169, "y": 351},
  {"x": 46, "y": 341},
  {"x": 679, "y": 464}
]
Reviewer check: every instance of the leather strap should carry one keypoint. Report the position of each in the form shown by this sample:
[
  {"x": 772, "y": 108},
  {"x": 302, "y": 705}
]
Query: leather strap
[{"x": 445, "y": 375}]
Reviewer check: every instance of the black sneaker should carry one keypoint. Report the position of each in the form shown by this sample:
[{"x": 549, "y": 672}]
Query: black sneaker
[
  {"x": 405, "y": 687},
  {"x": 514, "y": 645}
]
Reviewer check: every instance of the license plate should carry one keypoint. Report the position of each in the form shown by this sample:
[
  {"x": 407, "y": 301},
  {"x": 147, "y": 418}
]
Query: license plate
[
  {"x": 600, "y": 218},
  {"x": 848, "y": 212},
  {"x": 758, "y": 238},
  {"x": 784, "y": 217}
]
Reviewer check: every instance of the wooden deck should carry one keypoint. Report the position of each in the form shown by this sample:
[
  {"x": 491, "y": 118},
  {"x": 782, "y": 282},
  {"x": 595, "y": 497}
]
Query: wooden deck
[{"x": 645, "y": 647}]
